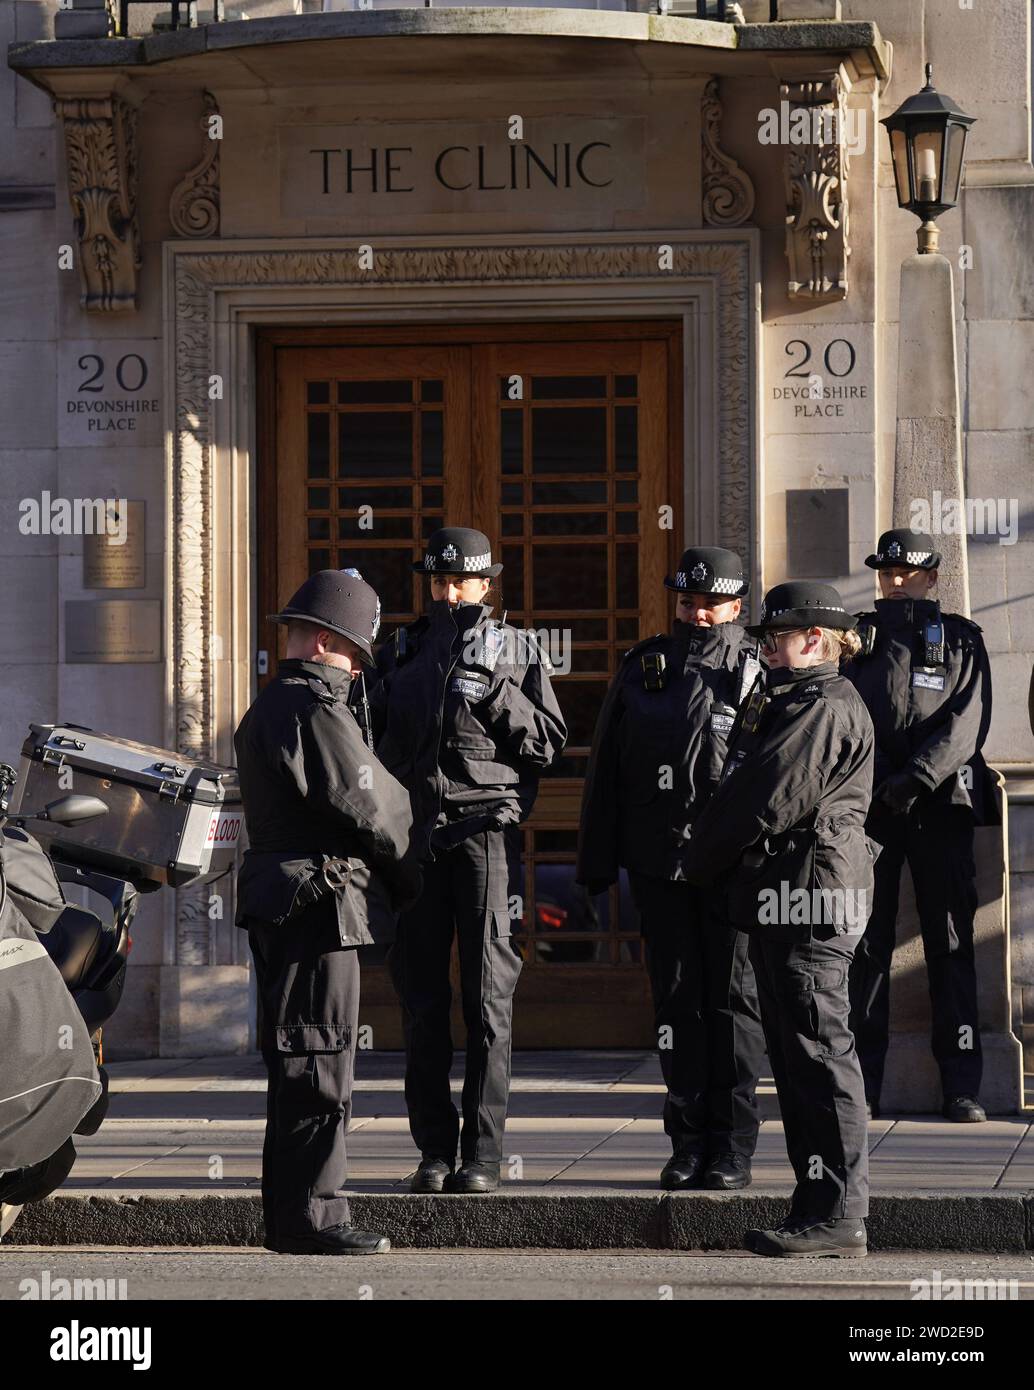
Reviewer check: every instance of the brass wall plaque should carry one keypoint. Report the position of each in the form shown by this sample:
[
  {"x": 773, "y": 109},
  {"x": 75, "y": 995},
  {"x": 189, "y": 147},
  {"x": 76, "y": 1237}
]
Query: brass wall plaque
[
  {"x": 110, "y": 565},
  {"x": 113, "y": 630}
]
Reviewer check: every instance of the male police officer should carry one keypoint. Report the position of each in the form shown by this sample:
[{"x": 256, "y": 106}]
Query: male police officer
[
  {"x": 925, "y": 678},
  {"x": 657, "y": 756},
  {"x": 467, "y": 718},
  {"x": 327, "y": 865}
]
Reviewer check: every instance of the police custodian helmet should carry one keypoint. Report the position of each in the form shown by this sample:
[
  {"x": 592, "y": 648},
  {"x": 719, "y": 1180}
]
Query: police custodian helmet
[
  {"x": 802, "y": 603},
  {"x": 342, "y": 602},
  {"x": 458, "y": 550},
  {"x": 707, "y": 569},
  {"x": 904, "y": 549}
]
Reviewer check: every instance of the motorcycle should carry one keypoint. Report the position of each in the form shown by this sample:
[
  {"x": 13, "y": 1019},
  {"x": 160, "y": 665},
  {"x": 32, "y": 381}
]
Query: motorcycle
[{"x": 90, "y": 950}]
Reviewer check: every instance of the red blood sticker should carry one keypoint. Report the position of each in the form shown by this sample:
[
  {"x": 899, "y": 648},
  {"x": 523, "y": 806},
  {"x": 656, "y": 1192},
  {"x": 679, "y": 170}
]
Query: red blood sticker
[{"x": 224, "y": 828}]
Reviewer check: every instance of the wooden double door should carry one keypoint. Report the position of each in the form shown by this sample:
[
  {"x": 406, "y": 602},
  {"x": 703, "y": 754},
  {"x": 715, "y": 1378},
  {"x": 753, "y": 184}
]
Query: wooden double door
[{"x": 560, "y": 442}]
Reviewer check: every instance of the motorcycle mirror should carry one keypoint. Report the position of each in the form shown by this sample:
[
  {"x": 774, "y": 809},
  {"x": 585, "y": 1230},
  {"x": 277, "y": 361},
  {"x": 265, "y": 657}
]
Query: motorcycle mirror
[{"x": 70, "y": 810}]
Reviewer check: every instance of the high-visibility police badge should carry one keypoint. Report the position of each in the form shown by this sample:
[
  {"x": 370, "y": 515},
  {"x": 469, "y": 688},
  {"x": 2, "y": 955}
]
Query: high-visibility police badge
[
  {"x": 927, "y": 680},
  {"x": 450, "y": 553}
]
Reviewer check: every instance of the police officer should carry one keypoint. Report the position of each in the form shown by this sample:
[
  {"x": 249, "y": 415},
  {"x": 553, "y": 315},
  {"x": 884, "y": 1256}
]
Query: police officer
[
  {"x": 657, "y": 755},
  {"x": 925, "y": 679},
  {"x": 784, "y": 834},
  {"x": 327, "y": 866},
  {"x": 467, "y": 719}
]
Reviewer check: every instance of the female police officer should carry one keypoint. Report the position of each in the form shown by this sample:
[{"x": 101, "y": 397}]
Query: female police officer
[
  {"x": 657, "y": 755},
  {"x": 785, "y": 831},
  {"x": 467, "y": 719}
]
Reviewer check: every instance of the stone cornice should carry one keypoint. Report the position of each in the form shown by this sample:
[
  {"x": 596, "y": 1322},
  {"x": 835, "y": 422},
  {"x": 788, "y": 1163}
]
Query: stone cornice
[{"x": 861, "y": 38}]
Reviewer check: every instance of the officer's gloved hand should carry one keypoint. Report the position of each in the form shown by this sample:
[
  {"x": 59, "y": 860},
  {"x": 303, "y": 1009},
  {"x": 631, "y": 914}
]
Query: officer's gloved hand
[{"x": 899, "y": 791}]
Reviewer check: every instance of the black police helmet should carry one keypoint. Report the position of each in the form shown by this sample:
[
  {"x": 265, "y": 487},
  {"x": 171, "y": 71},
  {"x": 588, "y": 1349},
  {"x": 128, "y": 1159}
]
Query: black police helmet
[
  {"x": 903, "y": 548},
  {"x": 342, "y": 602},
  {"x": 708, "y": 569},
  {"x": 802, "y": 603},
  {"x": 458, "y": 550}
]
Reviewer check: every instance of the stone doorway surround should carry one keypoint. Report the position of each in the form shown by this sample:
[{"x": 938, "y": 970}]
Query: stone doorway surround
[{"x": 217, "y": 292}]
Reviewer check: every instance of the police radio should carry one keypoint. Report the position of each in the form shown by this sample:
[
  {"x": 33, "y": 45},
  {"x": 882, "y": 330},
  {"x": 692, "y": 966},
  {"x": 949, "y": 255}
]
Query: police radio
[
  {"x": 655, "y": 673},
  {"x": 754, "y": 708},
  {"x": 933, "y": 642},
  {"x": 867, "y": 637}
]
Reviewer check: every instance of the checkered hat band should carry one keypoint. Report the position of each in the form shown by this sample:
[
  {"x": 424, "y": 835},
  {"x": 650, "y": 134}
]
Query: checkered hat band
[
  {"x": 719, "y": 586},
  {"x": 471, "y": 564},
  {"x": 910, "y": 557},
  {"x": 826, "y": 607}
]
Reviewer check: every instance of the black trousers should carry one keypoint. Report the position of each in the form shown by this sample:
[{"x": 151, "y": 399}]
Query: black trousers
[
  {"x": 803, "y": 989},
  {"x": 707, "y": 1023},
  {"x": 308, "y": 985},
  {"x": 465, "y": 893},
  {"x": 937, "y": 842}
]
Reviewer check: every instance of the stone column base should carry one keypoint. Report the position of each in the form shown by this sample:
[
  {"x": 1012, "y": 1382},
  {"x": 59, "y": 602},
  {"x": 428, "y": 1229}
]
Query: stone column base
[
  {"x": 912, "y": 1081},
  {"x": 204, "y": 1010}
]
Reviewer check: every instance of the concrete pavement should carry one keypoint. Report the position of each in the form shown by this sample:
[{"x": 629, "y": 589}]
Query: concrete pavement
[
  {"x": 178, "y": 1161},
  {"x": 221, "y": 1274}
]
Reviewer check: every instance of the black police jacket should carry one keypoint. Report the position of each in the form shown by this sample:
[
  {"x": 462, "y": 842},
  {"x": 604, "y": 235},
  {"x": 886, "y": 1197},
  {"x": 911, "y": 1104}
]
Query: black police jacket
[
  {"x": 931, "y": 718},
  {"x": 312, "y": 790},
  {"x": 659, "y": 747},
  {"x": 464, "y": 714},
  {"x": 785, "y": 828}
]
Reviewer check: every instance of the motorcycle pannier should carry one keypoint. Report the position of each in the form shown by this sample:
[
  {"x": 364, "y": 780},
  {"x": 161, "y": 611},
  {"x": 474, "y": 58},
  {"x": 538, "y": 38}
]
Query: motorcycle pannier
[{"x": 171, "y": 819}]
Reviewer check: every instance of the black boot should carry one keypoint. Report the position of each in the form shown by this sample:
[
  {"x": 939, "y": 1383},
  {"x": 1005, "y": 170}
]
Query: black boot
[
  {"x": 964, "y": 1110},
  {"x": 475, "y": 1177},
  {"x": 726, "y": 1172},
  {"x": 682, "y": 1170},
  {"x": 432, "y": 1174},
  {"x": 335, "y": 1240},
  {"x": 843, "y": 1239}
]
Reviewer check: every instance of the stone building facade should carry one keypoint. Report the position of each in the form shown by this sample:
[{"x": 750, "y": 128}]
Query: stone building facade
[{"x": 258, "y": 269}]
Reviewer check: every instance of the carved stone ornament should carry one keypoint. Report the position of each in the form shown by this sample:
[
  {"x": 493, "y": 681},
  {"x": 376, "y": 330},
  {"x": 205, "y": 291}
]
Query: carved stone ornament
[
  {"x": 100, "y": 141},
  {"x": 815, "y": 166},
  {"x": 202, "y": 276},
  {"x": 728, "y": 194},
  {"x": 194, "y": 205}
]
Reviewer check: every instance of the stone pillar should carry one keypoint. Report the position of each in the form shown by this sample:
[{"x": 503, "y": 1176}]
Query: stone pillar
[
  {"x": 927, "y": 450},
  {"x": 927, "y": 460},
  {"x": 809, "y": 9},
  {"x": 85, "y": 19}
]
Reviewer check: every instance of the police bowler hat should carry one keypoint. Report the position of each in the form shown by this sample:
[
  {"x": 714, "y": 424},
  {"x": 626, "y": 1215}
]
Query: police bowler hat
[
  {"x": 904, "y": 549},
  {"x": 802, "y": 603},
  {"x": 708, "y": 569},
  {"x": 458, "y": 550},
  {"x": 342, "y": 602}
]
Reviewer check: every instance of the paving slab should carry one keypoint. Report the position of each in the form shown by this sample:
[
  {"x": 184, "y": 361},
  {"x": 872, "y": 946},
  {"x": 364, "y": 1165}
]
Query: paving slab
[{"x": 584, "y": 1145}]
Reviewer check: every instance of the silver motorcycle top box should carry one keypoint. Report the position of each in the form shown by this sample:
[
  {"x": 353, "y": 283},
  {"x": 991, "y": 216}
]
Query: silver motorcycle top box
[{"x": 171, "y": 819}]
